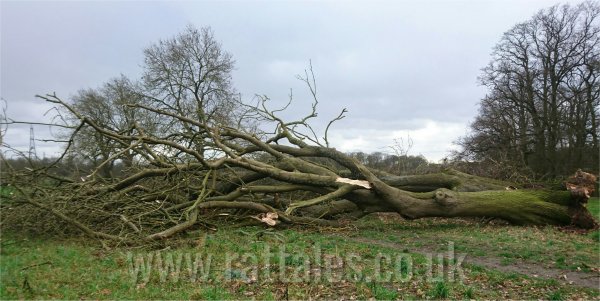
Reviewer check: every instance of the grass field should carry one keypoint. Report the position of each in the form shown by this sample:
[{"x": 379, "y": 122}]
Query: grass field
[
  {"x": 5, "y": 191},
  {"x": 380, "y": 257}
]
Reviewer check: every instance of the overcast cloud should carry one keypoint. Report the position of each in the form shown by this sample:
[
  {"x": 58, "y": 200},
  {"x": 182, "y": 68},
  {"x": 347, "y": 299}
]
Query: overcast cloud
[{"x": 400, "y": 67}]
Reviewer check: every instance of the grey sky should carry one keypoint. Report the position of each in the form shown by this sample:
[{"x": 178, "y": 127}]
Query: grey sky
[{"x": 400, "y": 67}]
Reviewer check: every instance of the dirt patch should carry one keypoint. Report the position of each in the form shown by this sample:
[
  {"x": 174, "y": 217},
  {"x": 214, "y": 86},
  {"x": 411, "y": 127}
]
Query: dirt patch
[{"x": 575, "y": 278}]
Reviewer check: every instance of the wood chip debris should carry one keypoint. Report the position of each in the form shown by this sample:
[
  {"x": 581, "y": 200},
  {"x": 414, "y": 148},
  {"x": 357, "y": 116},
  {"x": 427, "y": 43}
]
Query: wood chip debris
[{"x": 361, "y": 183}]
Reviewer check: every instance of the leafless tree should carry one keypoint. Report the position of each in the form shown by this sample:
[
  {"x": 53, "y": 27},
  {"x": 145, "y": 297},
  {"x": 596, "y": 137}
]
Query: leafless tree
[
  {"x": 544, "y": 93},
  {"x": 190, "y": 75},
  {"x": 110, "y": 107}
]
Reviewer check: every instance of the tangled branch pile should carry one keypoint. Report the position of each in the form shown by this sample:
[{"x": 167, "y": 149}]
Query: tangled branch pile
[
  {"x": 188, "y": 157},
  {"x": 176, "y": 183}
]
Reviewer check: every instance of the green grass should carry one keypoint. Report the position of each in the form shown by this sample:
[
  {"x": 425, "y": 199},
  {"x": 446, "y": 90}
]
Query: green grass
[
  {"x": 556, "y": 295},
  {"x": 469, "y": 293},
  {"x": 440, "y": 291},
  {"x": 5, "y": 191},
  {"x": 593, "y": 206},
  {"x": 381, "y": 292},
  {"x": 213, "y": 293},
  {"x": 81, "y": 269}
]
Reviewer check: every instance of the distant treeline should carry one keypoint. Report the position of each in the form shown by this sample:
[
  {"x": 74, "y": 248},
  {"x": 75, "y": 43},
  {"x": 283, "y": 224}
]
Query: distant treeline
[{"x": 541, "y": 113}]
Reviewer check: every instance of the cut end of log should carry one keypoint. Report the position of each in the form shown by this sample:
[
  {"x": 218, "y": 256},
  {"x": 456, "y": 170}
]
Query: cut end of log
[
  {"x": 361, "y": 183},
  {"x": 581, "y": 185}
]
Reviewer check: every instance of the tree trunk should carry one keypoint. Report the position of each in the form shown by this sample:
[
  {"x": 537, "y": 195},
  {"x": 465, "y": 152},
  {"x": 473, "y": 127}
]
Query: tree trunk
[
  {"x": 271, "y": 182},
  {"x": 472, "y": 197}
]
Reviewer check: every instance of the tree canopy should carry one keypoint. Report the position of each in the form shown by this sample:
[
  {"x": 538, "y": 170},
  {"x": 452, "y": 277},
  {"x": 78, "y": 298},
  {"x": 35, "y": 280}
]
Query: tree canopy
[{"x": 543, "y": 81}]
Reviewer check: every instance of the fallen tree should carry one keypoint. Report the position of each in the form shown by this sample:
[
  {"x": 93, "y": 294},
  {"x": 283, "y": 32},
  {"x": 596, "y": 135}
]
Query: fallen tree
[{"x": 207, "y": 169}]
